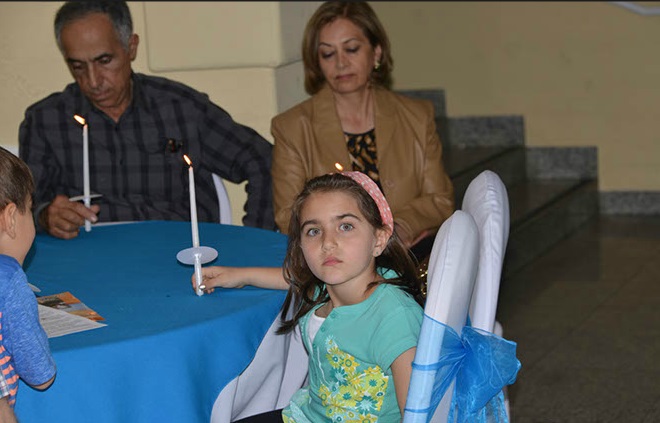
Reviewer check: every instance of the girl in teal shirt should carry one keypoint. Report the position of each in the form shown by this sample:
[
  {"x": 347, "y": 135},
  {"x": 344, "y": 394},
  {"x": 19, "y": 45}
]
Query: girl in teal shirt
[{"x": 360, "y": 329}]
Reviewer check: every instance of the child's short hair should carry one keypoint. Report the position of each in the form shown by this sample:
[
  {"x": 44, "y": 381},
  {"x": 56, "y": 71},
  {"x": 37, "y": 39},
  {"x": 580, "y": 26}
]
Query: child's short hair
[{"x": 17, "y": 183}]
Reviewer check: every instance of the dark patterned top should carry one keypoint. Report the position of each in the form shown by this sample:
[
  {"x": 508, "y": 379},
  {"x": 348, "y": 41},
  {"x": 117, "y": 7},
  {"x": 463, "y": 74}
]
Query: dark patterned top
[
  {"x": 136, "y": 164},
  {"x": 362, "y": 151}
]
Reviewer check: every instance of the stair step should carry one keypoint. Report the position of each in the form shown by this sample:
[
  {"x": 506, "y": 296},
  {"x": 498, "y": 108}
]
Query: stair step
[
  {"x": 484, "y": 130},
  {"x": 435, "y": 96},
  {"x": 530, "y": 198},
  {"x": 552, "y": 191},
  {"x": 544, "y": 213},
  {"x": 543, "y": 210},
  {"x": 464, "y": 164},
  {"x": 459, "y": 161}
]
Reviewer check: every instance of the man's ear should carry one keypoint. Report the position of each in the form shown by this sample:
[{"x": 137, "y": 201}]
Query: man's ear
[
  {"x": 8, "y": 219},
  {"x": 132, "y": 46}
]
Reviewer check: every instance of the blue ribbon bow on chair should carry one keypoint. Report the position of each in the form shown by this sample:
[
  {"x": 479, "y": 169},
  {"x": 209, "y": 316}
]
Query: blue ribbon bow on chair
[{"x": 480, "y": 362}]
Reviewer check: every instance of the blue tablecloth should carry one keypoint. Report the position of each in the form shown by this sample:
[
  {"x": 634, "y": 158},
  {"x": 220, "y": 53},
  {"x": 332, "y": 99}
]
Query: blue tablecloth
[{"x": 166, "y": 354}]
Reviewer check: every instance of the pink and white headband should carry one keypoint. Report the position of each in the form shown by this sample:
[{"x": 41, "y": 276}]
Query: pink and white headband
[{"x": 370, "y": 186}]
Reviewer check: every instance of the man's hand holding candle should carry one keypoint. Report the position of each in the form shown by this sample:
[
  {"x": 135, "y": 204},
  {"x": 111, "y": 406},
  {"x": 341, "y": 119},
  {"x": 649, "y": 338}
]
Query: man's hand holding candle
[{"x": 63, "y": 218}]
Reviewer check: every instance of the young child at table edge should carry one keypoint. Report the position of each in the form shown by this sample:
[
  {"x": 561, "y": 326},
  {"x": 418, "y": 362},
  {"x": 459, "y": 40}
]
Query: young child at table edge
[
  {"x": 360, "y": 329},
  {"x": 24, "y": 350}
]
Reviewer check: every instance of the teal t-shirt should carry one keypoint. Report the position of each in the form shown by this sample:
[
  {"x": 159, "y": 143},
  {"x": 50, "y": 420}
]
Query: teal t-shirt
[{"x": 350, "y": 375}]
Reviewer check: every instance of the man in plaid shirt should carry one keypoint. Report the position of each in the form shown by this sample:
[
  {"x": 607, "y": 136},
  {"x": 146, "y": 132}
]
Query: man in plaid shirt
[{"x": 139, "y": 128}]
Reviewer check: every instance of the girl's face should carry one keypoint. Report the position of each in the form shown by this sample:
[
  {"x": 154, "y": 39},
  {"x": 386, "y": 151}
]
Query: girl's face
[
  {"x": 346, "y": 57},
  {"x": 337, "y": 241}
]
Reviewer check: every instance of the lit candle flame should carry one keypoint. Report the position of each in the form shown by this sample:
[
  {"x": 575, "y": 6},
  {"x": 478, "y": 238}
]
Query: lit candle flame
[
  {"x": 80, "y": 119},
  {"x": 187, "y": 159},
  {"x": 339, "y": 167}
]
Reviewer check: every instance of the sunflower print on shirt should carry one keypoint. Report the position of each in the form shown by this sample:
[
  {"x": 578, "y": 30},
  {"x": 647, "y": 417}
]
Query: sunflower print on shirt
[{"x": 352, "y": 395}]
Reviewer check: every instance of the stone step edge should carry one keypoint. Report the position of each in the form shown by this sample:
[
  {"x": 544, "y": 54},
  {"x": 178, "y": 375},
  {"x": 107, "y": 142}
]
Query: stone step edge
[
  {"x": 563, "y": 212},
  {"x": 576, "y": 189}
]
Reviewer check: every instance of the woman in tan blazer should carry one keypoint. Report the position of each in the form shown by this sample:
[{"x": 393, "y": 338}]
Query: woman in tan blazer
[
  {"x": 353, "y": 119},
  {"x": 392, "y": 138}
]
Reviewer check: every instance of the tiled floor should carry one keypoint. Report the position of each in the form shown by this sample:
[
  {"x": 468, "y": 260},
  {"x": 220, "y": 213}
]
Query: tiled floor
[{"x": 586, "y": 317}]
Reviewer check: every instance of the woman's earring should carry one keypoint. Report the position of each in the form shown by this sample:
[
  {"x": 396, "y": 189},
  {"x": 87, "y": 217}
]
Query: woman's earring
[{"x": 377, "y": 66}]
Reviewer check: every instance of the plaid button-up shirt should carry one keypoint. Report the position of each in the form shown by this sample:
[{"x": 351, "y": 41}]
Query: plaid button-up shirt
[{"x": 137, "y": 163}]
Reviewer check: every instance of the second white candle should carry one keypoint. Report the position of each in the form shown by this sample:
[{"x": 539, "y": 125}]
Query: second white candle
[{"x": 193, "y": 203}]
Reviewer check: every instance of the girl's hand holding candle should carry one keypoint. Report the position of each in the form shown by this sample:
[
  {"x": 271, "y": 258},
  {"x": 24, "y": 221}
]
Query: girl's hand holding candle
[{"x": 197, "y": 256}]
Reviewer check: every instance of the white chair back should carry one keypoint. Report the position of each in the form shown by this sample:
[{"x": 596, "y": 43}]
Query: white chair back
[
  {"x": 223, "y": 200},
  {"x": 486, "y": 200},
  {"x": 452, "y": 272}
]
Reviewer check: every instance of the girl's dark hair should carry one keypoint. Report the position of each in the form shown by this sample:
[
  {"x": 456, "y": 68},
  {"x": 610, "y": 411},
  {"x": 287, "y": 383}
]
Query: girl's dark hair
[
  {"x": 362, "y": 16},
  {"x": 17, "y": 184},
  {"x": 305, "y": 289}
]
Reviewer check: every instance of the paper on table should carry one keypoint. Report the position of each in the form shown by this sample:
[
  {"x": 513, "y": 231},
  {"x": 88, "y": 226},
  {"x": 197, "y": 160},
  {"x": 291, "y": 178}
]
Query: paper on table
[
  {"x": 66, "y": 301},
  {"x": 58, "y": 323}
]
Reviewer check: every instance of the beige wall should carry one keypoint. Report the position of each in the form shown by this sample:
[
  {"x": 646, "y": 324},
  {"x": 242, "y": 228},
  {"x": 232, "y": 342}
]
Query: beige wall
[
  {"x": 581, "y": 73},
  {"x": 244, "y": 55}
]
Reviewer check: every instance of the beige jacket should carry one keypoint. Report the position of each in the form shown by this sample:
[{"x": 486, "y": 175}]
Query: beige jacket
[{"x": 309, "y": 141}]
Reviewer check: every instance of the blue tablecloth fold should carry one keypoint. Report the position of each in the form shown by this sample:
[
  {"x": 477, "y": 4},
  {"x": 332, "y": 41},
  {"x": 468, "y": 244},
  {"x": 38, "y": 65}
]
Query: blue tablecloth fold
[{"x": 166, "y": 354}]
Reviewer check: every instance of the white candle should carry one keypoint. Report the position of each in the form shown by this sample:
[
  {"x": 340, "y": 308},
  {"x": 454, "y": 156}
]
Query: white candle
[
  {"x": 193, "y": 203},
  {"x": 86, "y": 198}
]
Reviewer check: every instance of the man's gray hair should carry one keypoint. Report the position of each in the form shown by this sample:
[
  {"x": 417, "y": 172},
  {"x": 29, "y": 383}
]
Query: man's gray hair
[{"x": 117, "y": 11}]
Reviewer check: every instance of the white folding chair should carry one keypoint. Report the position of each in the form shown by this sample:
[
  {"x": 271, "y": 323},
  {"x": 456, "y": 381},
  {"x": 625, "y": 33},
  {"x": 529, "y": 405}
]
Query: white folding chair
[
  {"x": 223, "y": 200},
  {"x": 452, "y": 272},
  {"x": 277, "y": 371},
  {"x": 449, "y": 352},
  {"x": 486, "y": 200}
]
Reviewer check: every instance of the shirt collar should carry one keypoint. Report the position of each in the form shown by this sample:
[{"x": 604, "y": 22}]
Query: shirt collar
[{"x": 139, "y": 97}]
